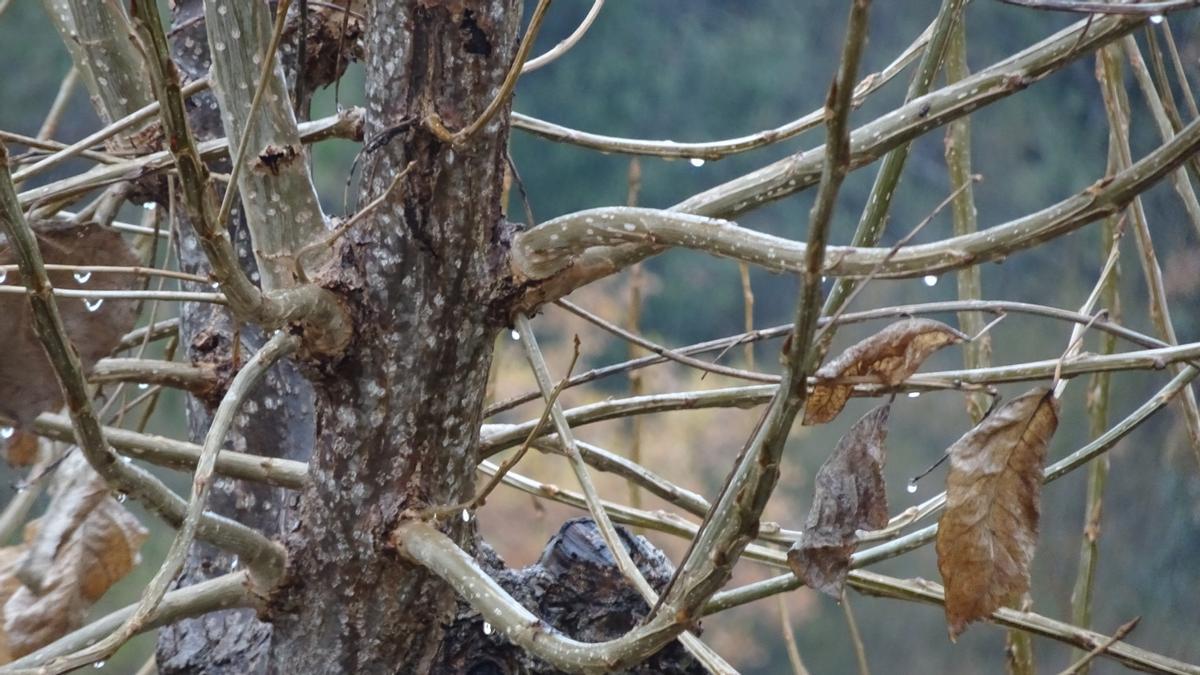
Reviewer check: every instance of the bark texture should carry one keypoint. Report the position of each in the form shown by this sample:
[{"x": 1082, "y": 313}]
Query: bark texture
[
  {"x": 398, "y": 416},
  {"x": 277, "y": 419},
  {"x": 393, "y": 425},
  {"x": 575, "y": 587}
]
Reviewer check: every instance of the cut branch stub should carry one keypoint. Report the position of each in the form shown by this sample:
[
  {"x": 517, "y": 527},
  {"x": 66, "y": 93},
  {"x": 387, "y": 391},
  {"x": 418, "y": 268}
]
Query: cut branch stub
[
  {"x": 890, "y": 356},
  {"x": 987, "y": 535},
  {"x": 850, "y": 496},
  {"x": 95, "y": 325}
]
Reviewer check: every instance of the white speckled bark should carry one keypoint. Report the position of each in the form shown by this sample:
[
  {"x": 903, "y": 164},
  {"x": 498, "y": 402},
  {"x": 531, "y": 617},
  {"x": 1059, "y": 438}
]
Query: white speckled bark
[{"x": 398, "y": 417}]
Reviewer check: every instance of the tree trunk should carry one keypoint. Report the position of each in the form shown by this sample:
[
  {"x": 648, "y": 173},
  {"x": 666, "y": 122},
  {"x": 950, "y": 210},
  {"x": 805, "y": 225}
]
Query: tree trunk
[{"x": 398, "y": 416}]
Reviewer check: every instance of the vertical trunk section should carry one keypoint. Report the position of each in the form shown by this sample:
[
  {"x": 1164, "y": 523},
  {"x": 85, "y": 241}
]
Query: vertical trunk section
[{"x": 398, "y": 417}]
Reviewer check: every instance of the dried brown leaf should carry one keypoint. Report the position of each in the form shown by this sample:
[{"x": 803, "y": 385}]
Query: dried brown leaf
[
  {"x": 84, "y": 544},
  {"x": 21, "y": 449},
  {"x": 850, "y": 496},
  {"x": 889, "y": 357},
  {"x": 27, "y": 383},
  {"x": 988, "y": 532}
]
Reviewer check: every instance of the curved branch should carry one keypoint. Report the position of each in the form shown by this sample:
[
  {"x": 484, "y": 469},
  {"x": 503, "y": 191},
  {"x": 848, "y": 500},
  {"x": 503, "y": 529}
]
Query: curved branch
[
  {"x": 224, "y": 592},
  {"x": 715, "y": 150},
  {"x": 581, "y": 238},
  {"x": 1128, "y": 9},
  {"x": 140, "y": 484},
  {"x": 566, "y": 45},
  {"x": 426, "y": 546},
  {"x": 935, "y": 109},
  {"x": 266, "y": 571}
]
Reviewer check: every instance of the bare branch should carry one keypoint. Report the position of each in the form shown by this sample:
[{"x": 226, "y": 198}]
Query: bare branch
[
  {"x": 705, "y": 655},
  {"x": 277, "y": 194},
  {"x": 139, "y": 484},
  {"x": 566, "y": 45},
  {"x": 264, "y": 576},
  {"x": 224, "y": 592}
]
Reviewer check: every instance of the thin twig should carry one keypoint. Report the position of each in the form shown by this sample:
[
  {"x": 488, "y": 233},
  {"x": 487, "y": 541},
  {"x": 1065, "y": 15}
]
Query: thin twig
[
  {"x": 434, "y": 122},
  {"x": 1081, "y": 665},
  {"x": 565, "y": 46},
  {"x": 278, "y": 346},
  {"x": 711, "y": 660}
]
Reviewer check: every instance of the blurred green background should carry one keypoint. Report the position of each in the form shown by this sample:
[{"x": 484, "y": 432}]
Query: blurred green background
[{"x": 709, "y": 69}]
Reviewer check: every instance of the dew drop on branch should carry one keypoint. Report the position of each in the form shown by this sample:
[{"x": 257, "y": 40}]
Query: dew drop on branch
[
  {"x": 466, "y": 516},
  {"x": 98, "y": 664},
  {"x": 914, "y": 394},
  {"x": 1156, "y": 19},
  {"x": 911, "y": 487},
  {"x": 143, "y": 385},
  {"x": 698, "y": 162},
  {"x": 487, "y": 628},
  {"x": 83, "y": 276},
  {"x": 515, "y": 335},
  {"x": 3, "y": 275},
  {"x": 931, "y": 280},
  {"x": 93, "y": 305},
  {"x": 6, "y": 432}
]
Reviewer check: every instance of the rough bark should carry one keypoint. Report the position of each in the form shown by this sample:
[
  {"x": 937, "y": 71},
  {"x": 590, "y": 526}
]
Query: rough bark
[
  {"x": 394, "y": 424},
  {"x": 398, "y": 416},
  {"x": 278, "y": 419},
  {"x": 575, "y": 587}
]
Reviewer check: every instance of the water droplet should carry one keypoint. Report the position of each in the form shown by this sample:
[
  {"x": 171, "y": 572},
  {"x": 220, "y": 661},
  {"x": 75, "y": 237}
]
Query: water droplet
[
  {"x": 466, "y": 516},
  {"x": 930, "y": 280},
  {"x": 912, "y": 487},
  {"x": 3, "y": 275},
  {"x": 696, "y": 162},
  {"x": 487, "y": 628},
  {"x": 83, "y": 276},
  {"x": 93, "y": 305},
  {"x": 914, "y": 394},
  {"x": 515, "y": 335},
  {"x": 1157, "y": 18},
  {"x": 121, "y": 497},
  {"x": 98, "y": 664},
  {"x": 214, "y": 285},
  {"x": 7, "y": 432},
  {"x": 149, "y": 206},
  {"x": 234, "y": 565},
  {"x": 143, "y": 385}
]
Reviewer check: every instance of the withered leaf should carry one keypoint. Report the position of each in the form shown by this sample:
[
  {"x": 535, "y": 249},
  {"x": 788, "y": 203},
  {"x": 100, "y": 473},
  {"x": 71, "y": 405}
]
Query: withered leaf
[
  {"x": 84, "y": 544},
  {"x": 987, "y": 534},
  {"x": 27, "y": 383},
  {"x": 850, "y": 496},
  {"x": 21, "y": 449},
  {"x": 889, "y": 356}
]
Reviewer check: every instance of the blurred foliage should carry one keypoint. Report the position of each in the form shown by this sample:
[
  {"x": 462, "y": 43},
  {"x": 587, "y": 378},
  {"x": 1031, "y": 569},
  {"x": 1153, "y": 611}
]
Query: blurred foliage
[{"x": 711, "y": 69}]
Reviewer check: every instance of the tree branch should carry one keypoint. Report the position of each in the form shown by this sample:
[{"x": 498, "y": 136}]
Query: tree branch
[
  {"x": 266, "y": 571},
  {"x": 224, "y": 592},
  {"x": 277, "y": 194},
  {"x": 120, "y": 476}
]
